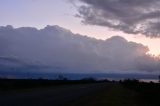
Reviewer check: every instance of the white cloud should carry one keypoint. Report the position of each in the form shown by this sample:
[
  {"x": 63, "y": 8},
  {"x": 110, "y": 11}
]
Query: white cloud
[{"x": 59, "y": 49}]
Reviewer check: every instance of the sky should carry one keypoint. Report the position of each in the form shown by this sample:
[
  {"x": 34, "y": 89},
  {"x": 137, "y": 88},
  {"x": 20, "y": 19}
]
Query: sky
[
  {"x": 81, "y": 35},
  {"x": 39, "y": 13},
  {"x": 55, "y": 49}
]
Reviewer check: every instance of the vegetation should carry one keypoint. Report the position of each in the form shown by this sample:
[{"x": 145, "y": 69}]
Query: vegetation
[
  {"x": 122, "y": 93},
  {"x": 18, "y": 84},
  {"x": 149, "y": 93},
  {"x": 114, "y": 95}
]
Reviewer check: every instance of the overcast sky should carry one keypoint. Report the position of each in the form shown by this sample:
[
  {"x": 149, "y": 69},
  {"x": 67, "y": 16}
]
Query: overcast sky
[
  {"x": 116, "y": 22},
  {"x": 54, "y": 48},
  {"x": 39, "y": 13}
]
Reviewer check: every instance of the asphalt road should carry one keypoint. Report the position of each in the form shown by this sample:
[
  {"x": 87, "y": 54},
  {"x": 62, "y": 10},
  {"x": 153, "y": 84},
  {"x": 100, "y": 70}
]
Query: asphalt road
[{"x": 56, "y": 96}]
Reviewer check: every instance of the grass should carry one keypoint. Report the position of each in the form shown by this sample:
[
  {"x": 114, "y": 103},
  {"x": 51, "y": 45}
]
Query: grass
[
  {"x": 149, "y": 93},
  {"x": 126, "y": 93},
  {"x": 8, "y": 86},
  {"x": 114, "y": 95}
]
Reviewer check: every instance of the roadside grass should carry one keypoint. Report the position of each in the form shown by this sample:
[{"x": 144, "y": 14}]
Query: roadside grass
[
  {"x": 114, "y": 95},
  {"x": 148, "y": 93},
  {"x": 13, "y": 86}
]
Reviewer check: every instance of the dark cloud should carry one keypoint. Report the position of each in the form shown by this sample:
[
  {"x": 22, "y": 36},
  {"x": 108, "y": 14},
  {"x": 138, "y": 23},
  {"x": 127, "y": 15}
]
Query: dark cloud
[
  {"x": 58, "y": 49},
  {"x": 129, "y": 16}
]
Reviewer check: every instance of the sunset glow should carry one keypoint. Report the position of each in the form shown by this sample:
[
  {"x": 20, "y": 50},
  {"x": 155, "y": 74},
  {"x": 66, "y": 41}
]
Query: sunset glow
[{"x": 91, "y": 35}]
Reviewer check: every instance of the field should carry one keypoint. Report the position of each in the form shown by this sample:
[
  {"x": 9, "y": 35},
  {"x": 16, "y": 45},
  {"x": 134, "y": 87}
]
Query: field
[
  {"x": 127, "y": 93},
  {"x": 86, "y": 92}
]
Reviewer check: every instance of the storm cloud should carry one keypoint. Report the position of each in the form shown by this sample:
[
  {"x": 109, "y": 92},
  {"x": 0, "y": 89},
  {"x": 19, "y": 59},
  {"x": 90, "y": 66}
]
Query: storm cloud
[
  {"x": 129, "y": 16},
  {"x": 58, "y": 49}
]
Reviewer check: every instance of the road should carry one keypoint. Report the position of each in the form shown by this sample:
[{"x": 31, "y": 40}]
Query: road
[{"x": 53, "y": 96}]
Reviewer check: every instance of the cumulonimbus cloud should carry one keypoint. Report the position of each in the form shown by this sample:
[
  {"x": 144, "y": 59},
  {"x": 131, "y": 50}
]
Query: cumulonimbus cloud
[
  {"x": 61, "y": 50},
  {"x": 129, "y": 16}
]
